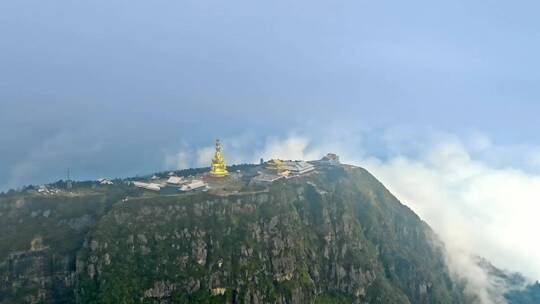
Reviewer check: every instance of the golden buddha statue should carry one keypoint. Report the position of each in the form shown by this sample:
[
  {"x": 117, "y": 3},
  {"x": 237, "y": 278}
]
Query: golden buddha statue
[{"x": 218, "y": 163}]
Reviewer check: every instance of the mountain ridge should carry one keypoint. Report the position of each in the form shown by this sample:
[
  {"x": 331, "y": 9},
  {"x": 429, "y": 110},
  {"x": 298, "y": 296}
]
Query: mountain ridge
[{"x": 334, "y": 236}]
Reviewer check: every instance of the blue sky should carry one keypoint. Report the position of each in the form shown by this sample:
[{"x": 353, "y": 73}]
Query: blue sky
[{"x": 104, "y": 87}]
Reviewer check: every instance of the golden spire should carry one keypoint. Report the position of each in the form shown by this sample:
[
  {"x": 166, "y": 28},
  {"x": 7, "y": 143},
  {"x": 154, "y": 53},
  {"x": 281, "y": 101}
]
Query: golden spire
[
  {"x": 276, "y": 166},
  {"x": 218, "y": 163}
]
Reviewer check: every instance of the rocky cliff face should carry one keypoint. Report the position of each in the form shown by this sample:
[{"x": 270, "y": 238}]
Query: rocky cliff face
[
  {"x": 334, "y": 236},
  {"x": 39, "y": 240},
  {"x": 37, "y": 276}
]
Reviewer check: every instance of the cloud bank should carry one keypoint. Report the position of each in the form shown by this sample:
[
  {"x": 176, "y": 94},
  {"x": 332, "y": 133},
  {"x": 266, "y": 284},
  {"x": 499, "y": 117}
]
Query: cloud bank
[{"x": 475, "y": 208}]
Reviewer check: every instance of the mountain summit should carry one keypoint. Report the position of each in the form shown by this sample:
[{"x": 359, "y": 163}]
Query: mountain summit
[{"x": 332, "y": 235}]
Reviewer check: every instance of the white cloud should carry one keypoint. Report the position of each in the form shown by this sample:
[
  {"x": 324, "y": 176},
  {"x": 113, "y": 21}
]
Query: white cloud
[
  {"x": 204, "y": 156},
  {"x": 293, "y": 147},
  {"x": 492, "y": 212},
  {"x": 178, "y": 161}
]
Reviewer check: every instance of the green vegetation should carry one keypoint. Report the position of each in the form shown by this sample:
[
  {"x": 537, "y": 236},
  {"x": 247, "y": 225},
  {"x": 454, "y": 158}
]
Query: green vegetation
[{"x": 337, "y": 236}]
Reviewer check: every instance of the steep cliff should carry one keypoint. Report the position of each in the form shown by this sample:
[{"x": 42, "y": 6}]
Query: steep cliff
[
  {"x": 40, "y": 237},
  {"x": 333, "y": 236}
]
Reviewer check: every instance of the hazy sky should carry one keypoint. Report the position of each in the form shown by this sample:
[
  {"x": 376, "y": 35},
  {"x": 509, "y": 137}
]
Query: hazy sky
[
  {"x": 110, "y": 88},
  {"x": 439, "y": 99}
]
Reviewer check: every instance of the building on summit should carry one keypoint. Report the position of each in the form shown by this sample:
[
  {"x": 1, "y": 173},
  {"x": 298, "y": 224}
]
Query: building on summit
[
  {"x": 276, "y": 167},
  {"x": 298, "y": 167},
  {"x": 219, "y": 169},
  {"x": 148, "y": 186},
  {"x": 267, "y": 172},
  {"x": 331, "y": 158},
  {"x": 175, "y": 180},
  {"x": 193, "y": 185}
]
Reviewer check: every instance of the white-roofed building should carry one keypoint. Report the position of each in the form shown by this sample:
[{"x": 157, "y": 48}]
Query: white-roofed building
[
  {"x": 193, "y": 185},
  {"x": 175, "y": 180},
  {"x": 104, "y": 181},
  {"x": 148, "y": 186},
  {"x": 298, "y": 166}
]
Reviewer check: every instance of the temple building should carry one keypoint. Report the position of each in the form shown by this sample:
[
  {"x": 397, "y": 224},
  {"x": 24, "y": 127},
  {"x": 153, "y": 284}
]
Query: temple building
[
  {"x": 193, "y": 185},
  {"x": 298, "y": 167},
  {"x": 218, "y": 163},
  {"x": 330, "y": 158},
  {"x": 175, "y": 181},
  {"x": 276, "y": 167}
]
